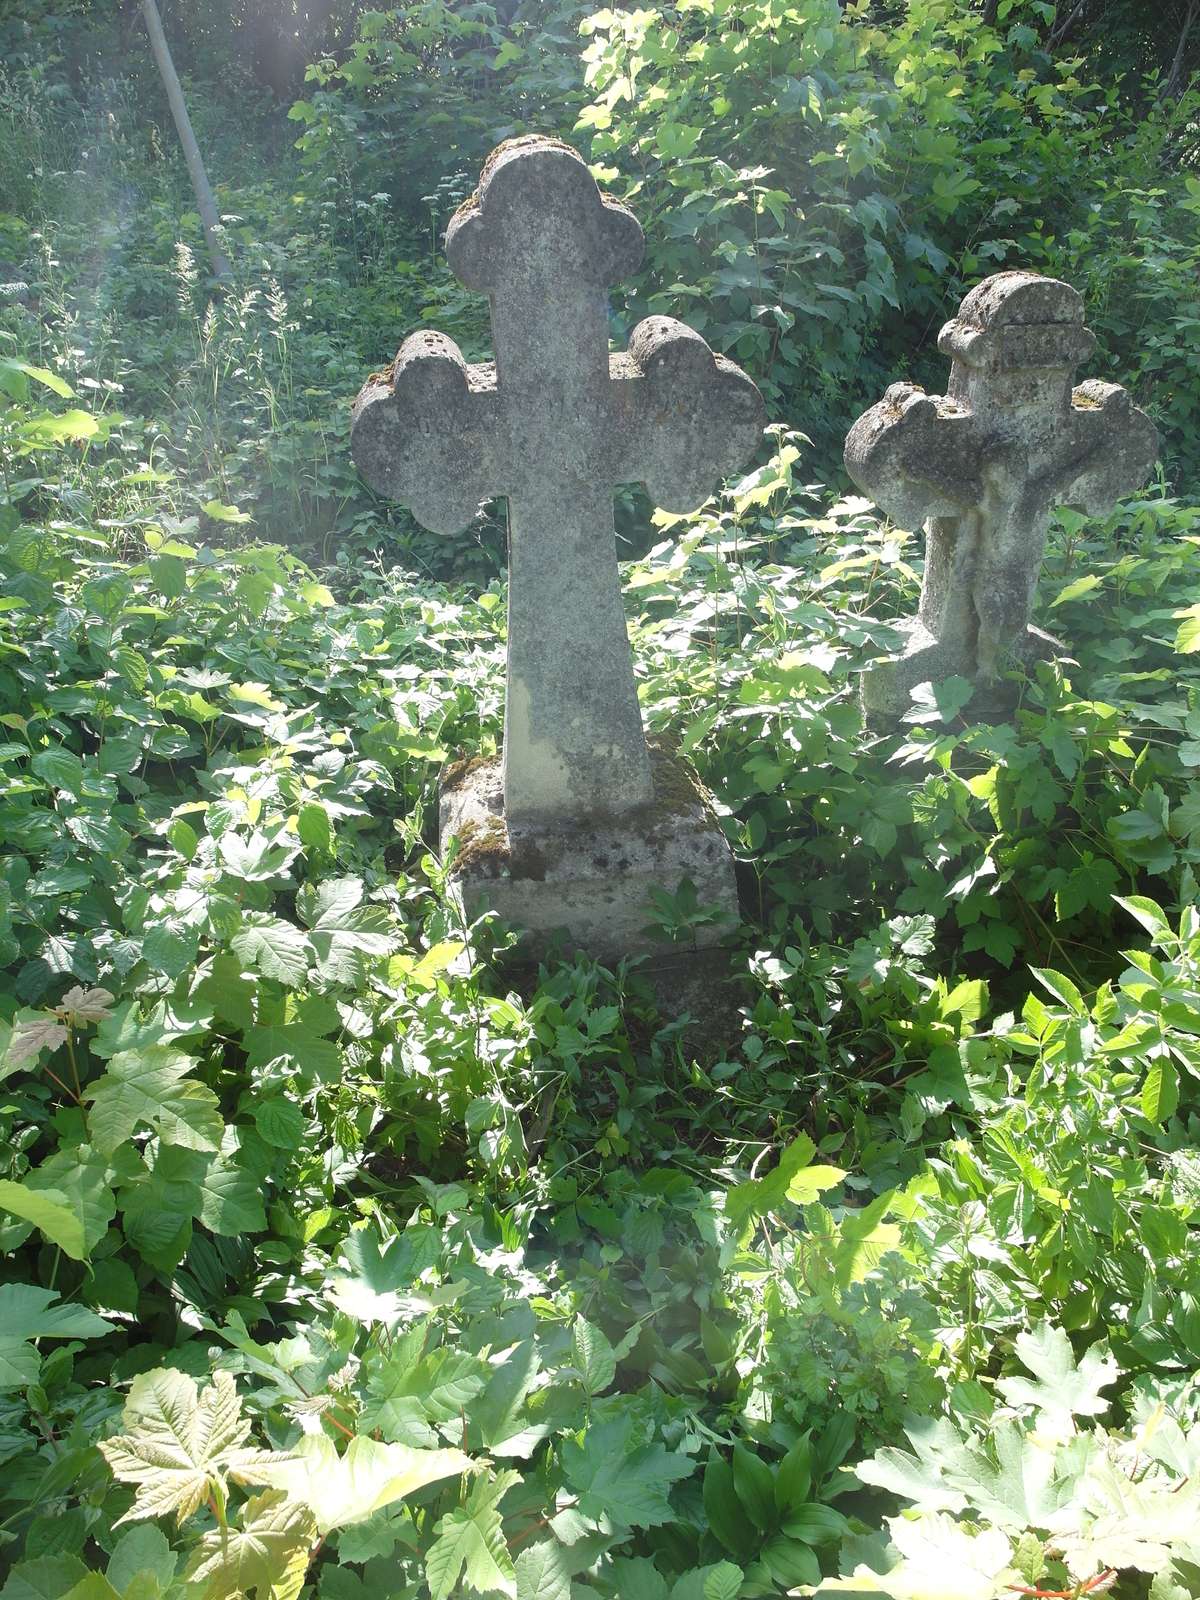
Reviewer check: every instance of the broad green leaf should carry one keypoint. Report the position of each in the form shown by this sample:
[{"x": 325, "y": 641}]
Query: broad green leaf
[
  {"x": 224, "y": 513},
  {"x": 150, "y": 1087},
  {"x": 28, "y": 1312},
  {"x": 1061, "y": 987},
  {"x": 1160, "y": 1092},
  {"x": 939, "y": 1560},
  {"x": 341, "y": 1489},
  {"x": 179, "y": 1443},
  {"x": 78, "y": 1178},
  {"x": 50, "y": 1212},
  {"x": 754, "y": 1485},
  {"x": 470, "y": 1542},
  {"x": 268, "y": 1555},
  {"x": 1146, "y": 911},
  {"x": 276, "y": 948},
  {"x": 543, "y": 1572},
  {"x": 618, "y": 1479},
  {"x": 1059, "y": 1388},
  {"x": 594, "y": 1357},
  {"x": 44, "y": 1578},
  {"x": 73, "y": 424}
]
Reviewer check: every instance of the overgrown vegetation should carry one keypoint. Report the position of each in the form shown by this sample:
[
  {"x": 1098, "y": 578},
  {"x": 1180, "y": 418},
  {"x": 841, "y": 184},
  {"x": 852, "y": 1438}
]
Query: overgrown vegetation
[{"x": 342, "y": 1258}]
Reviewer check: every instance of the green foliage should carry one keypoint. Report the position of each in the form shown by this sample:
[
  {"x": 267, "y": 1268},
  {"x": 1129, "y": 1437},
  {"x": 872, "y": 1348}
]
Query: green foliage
[{"x": 342, "y": 1256}]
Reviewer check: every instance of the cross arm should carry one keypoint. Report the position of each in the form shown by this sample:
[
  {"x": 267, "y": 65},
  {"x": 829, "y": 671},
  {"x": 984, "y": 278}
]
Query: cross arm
[
  {"x": 1114, "y": 447},
  {"x": 916, "y": 455},
  {"x": 425, "y": 432},
  {"x": 685, "y": 418}
]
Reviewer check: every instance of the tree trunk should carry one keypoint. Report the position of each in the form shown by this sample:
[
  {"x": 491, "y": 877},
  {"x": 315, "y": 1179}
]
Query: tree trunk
[
  {"x": 205, "y": 203},
  {"x": 1174, "y": 84}
]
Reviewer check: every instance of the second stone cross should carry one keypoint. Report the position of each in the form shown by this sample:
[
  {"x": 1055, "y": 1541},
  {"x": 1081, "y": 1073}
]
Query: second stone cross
[{"x": 580, "y": 819}]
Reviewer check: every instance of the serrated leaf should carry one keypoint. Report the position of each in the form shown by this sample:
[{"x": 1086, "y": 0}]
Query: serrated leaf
[
  {"x": 44, "y": 1578},
  {"x": 150, "y": 1087},
  {"x": 179, "y": 1442},
  {"x": 614, "y": 1478},
  {"x": 343, "y": 1489},
  {"x": 276, "y": 948},
  {"x": 543, "y": 1573},
  {"x": 1160, "y": 1092},
  {"x": 1059, "y": 1388},
  {"x": 267, "y": 1555},
  {"x": 470, "y": 1541},
  {"x": 594, "y": 1357}
]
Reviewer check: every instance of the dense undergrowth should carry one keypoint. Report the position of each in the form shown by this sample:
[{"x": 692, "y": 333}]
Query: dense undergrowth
[{"x": 339, "y": 1253}]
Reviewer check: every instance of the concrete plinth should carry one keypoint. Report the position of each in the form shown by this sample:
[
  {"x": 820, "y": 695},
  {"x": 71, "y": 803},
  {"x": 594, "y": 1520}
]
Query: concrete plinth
[
  {"x": 587, "y": 885},
  {"x": 886, "y": 688}
]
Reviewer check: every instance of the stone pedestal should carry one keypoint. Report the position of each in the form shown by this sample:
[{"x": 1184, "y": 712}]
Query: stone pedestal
[
  {"x": 587, "y": 884},
  {"x": 886, "y": 690}
]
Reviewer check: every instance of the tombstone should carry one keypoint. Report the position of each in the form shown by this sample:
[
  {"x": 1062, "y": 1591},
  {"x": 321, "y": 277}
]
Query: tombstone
[
  {"x": 985, "y": 464},
  {"x": 579, "y": 819}
]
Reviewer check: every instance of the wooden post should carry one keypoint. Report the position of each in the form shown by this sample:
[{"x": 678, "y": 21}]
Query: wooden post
[{"x": 205, "y": 203}]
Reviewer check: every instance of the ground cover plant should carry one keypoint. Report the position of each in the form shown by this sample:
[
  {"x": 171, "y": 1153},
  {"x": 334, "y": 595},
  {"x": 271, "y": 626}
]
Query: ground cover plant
[{"x": 339, "y": 1257}]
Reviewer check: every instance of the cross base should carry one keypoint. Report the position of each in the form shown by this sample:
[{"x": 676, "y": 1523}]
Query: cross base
[
  {"x": 586, "y": 885},
  {"x": 886, "y": 687}
]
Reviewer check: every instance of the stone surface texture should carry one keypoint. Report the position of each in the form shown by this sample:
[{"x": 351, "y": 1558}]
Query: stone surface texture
[
  {"x": 554, "y": 425},
  {"x": 588, "y": 884},
  {"x": 983, "y": 466}
]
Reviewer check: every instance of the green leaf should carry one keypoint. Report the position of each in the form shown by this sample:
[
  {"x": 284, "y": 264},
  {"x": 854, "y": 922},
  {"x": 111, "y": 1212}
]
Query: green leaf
[
  {"x": 1059, "y": 1388},
  {"x": 47, "y": 429},
  {"x": 281, "y": 1122},
  {"x": 615, "y": 1478},
  {"x": 340, "y": 1490},
  {"x": 594, "y": 1357},
  {"x": 755, "y": 1487},
  {"x": 46, "y": 1578},
  {"x": 150, "y": 1087},
  {"x": 179, "y": 1443},
  {"x": 61, "y": 768},
  {"x": 28, "y": 1312},
  {"x": 1061, "y": 988},
  {"x": 723, "y": 1582},
  {"x": 761, "y": 1197},
  {"x": 1081, "y": 586},
  {"x": 1160, "y": 1092},
  {"x": 78, "y": 1178},
  {"x": 470, "y": 1541},
  {"x": 223, "y": 513},
  {"x": 276, "y": 948},
  {"x": 544, "y": 1572},
  {"x": 267, "y": 1555},
  {"x": 1146, "y": 911},
  {"x": 48, "y": 1211},
  {"x": 723, "y": 1509}
]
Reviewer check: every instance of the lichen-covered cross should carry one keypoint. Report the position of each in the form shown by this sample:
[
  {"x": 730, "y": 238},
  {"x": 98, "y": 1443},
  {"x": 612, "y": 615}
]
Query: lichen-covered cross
[
  {"x": 986, "y": 463},
  {"x": 555, "y": 425}
]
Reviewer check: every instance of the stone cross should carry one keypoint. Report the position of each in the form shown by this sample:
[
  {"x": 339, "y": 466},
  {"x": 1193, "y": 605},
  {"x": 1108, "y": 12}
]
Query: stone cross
[
  {"x": 986, "y": 463},
  {"x": 554, "y": 425}
]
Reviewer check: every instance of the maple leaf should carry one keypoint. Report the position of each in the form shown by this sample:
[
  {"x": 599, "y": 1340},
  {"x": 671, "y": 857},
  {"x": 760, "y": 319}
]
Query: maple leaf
[
  {"x": 31, "y": 1036},
  {"x": 149, "y": 1086},
  {"x": 180, "y": 1443},
  {"x": 630, "y": 1485},
  {"x": 268, "y": 1554},
  {"x": 1059, "y": 1389},
  {"x": 85, "y": 1005},
  {"x": 348, "y": 1488}
]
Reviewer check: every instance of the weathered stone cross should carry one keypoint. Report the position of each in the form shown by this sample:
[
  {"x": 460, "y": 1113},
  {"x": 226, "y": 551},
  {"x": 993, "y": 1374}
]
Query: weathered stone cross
[
  {"x": 986, "y": 463},
  {"x": 554, "y": 425}
]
